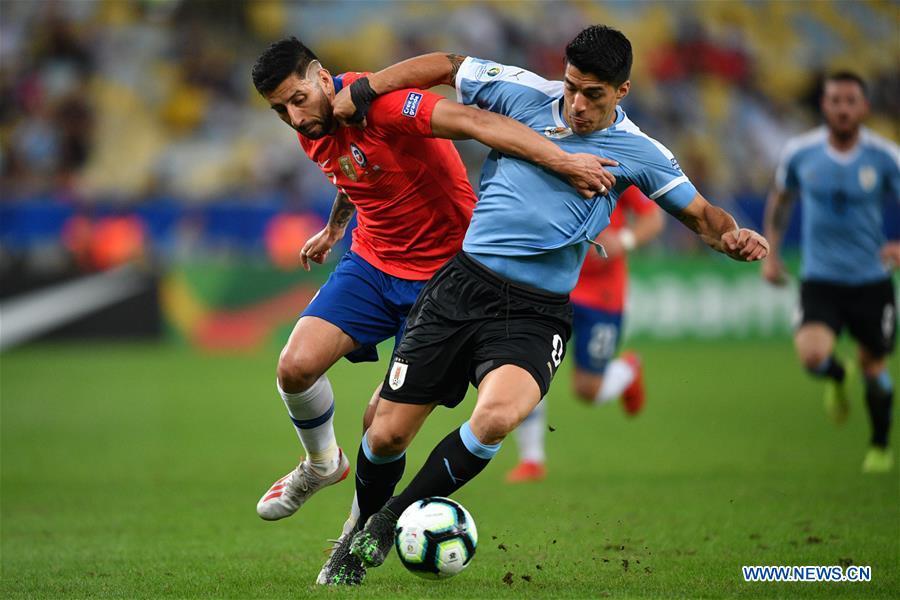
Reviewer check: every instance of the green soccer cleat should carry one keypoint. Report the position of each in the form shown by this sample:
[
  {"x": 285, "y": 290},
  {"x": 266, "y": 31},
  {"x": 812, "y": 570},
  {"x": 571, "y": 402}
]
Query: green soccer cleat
[
  {"x": 373, "y": 544},
  {"x": 342, "y": 568},
  {"x": 878, "y": 460},
  {"x": 837, "y": 403}
]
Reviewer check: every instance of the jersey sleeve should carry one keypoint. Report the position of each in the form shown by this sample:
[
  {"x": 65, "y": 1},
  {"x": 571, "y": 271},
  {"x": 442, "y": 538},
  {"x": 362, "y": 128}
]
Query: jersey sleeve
[
  {"x": 786, "y": 173},
  {"x": 661, "y": 179},
  {"x": 502, "y": 89},
  {"x": 404, "y": 112},
  {"x": 892, "y": 175}
]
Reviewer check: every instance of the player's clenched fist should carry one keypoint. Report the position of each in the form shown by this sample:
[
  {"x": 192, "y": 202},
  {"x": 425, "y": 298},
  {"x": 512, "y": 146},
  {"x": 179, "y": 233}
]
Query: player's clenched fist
[
  {"x": 745, "y": 245},
  {"x": 317, "y": 247},
  {"x": 344, "y": 109}
]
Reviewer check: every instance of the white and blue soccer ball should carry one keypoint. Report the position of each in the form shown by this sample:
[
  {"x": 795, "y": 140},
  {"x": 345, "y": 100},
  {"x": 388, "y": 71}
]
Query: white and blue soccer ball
[{"x": 436, "y": 538}]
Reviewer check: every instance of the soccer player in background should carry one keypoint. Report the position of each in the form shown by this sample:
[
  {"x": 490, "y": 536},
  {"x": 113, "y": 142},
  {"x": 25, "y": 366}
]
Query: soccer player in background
[
  {"x": 413, "y": 201},
  {"x": 598, "y": 302},
  {"x": 843, "y": 173},
  {"x": 498, "y": 314}
]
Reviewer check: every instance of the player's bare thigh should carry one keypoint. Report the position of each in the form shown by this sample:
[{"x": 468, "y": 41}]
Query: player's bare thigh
[
  {"x": 814, "y": 343},
  {"x": 506, "y": 396},
  {"x": 586, "y": 385},
  {"x": 394, "y": 425},
  {"x": 313, "y": 346}
]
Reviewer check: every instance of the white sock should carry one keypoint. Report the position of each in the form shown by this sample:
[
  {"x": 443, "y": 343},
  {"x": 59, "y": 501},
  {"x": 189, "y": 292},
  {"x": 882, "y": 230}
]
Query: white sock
[
  {"x": 618, "y": 376},
  {"x": 530, "y": 435},
  {"x": 353, "y": 517},
  {"x": 312, "y": 412}
]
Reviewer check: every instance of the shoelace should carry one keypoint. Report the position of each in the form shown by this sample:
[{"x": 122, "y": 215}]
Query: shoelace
[
  {"x": 297, "y": 483},
  {"x": 334, "y": 544}
]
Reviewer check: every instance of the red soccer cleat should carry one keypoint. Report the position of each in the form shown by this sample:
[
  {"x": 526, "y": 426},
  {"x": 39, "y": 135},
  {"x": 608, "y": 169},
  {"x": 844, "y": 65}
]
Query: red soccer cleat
[
  {"x": 526, "y": 471},
  {"x": 633, "y": 396}
]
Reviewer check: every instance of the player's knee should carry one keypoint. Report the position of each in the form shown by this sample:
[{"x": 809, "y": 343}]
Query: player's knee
[
  {"x": 295, "y": 372},
  {"x": 387, "y": 443},
  {"x": 812, "y": 358},
  {"x": 493, "y": 423}
]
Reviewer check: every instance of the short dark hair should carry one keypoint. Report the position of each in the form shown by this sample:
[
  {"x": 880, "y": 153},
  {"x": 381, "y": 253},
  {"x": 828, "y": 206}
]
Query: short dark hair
[
  {"x": 601, "y": 51},
  {"x": 846, "y": 76},
  {"x": 278, "y": 61}
]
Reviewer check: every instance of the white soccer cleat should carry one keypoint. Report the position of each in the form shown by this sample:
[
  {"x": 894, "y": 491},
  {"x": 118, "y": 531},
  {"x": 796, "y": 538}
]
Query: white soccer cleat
[{"x": 290, "y": 492}]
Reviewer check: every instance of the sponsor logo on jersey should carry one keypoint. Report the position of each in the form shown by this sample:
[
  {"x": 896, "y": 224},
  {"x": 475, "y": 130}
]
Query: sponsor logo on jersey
[
  {"x": 348, "y": 168},
  {"x": 411, "y": 106},
  {"x": 358, "y": 155},
  {"x": 557, "y": 133},
  {"x": 398, "y": 374},
  {"x": 867, "y": 178},
  {"x": 487, "y": 72},
  {"x": 675, "y": 164}
]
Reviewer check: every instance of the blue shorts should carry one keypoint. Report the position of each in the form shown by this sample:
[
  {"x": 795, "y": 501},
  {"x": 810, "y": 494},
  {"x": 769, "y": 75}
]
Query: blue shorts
[
  {"x": 596, "y": 334},
  {"x": 365, "y": 303}
]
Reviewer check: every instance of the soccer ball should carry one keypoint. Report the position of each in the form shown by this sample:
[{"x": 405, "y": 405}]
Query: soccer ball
[{"x": 436, "y": 538}]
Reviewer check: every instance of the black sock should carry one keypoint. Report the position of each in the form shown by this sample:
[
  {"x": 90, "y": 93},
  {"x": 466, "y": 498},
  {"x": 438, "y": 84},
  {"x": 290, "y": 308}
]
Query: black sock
[
  {"x": 880, "y": 400},
  {"x": 457, "y": 459},
  {"x": 375, "y": 481},
  {"x": 832, "y": 368}
]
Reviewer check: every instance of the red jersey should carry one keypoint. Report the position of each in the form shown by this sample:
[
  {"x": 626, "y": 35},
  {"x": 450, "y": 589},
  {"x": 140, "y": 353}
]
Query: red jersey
[
  {"x": 412, "y": 197},
  {"x": 603, "y": 281}
]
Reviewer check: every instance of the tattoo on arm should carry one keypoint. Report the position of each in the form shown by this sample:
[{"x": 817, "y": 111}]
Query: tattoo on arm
[
  {"x": 341, "y": 211},
  {"x": 456, "y": 62}
]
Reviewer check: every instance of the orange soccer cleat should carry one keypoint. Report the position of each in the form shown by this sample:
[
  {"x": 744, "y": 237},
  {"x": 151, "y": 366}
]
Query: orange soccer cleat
[
  {"x": 526, "y": 471},
  {"x": 633, "y": 396}
]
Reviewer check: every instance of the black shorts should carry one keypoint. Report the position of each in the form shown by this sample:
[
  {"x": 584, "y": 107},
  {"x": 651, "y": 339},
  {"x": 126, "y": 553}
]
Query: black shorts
[
  {"x": 468, "y": 321},
  {"x": 868, "y": 311}
]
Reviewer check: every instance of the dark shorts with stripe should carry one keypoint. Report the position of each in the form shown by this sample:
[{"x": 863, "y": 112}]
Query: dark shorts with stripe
[
  {"x": 868, "y": 311},
  {"x": 469, "y": 320}
]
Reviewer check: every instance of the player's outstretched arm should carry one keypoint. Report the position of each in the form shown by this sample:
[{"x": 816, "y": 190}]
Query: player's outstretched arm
[
  {"x": 775, "y": 222},
  {"x": 317, "y": 247},
  {"x": 720, "y": 231},
  {"x": 584, "y": 171},
  {"x": 428, "y": 70}
]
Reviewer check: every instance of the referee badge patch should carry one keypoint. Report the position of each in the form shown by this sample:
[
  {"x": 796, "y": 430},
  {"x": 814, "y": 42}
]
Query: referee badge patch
[
  {"x": 411, "y": 106},
  {"x": 398, "y": 375}
]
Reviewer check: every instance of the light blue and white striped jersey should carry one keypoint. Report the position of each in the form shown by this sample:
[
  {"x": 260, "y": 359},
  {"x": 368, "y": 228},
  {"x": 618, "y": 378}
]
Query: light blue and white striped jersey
[
  {"x": 529, "y": 224},
  {"x": 843, "y": 196}
]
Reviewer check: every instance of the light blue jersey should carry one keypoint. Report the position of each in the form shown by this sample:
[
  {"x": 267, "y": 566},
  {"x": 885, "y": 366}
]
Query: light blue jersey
[
  {"x": 843, "y": 196},
  {"x": 530, "y": 225}
]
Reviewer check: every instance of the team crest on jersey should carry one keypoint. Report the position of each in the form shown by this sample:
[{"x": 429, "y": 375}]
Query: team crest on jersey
[
  {"x": 398, "y": 374},
  {"x": 348, "y": 168},
  {"x": 557, "y": 133},
  {"x": 867, "y": 178},
  {"x": 411, "y": 106},
  {"x": 358, "y": 155}
]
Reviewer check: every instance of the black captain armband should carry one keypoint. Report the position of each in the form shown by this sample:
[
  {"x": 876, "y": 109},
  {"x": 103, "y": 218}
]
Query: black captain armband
[{"x": 362, "y": 95}]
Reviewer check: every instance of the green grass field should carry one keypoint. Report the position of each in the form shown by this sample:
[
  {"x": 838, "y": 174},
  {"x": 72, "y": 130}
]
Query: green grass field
[{"x": 132, "y": 471}]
